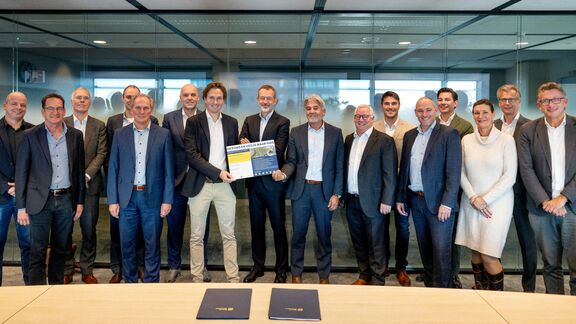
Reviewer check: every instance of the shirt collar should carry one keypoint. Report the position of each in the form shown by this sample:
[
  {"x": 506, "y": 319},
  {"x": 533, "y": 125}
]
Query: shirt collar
[
  {"x": 366, "y": 134},
  {"x": 514, "y": 121},
  {"x": 267, "y": 118},
  {"x": 142, "y": 130},
  {"x": 429, "y": 128},
  {"x": 562, "y": 124},
  {"x": 320, "y": 129},
  {"x": 81, "y": 122},
  {"x": 64, "y": 128},
  {"x": 449, "y": 121}
]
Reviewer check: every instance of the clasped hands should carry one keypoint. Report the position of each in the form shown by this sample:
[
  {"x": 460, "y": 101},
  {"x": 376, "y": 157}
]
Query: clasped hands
[
  {"x": 480, "y": 204},
  {"x": 556, "y": 206}
]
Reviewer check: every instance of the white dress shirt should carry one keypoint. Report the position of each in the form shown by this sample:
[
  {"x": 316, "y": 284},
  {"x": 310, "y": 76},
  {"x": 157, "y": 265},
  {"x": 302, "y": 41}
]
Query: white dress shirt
[
  {"x": 217, "y": 148},
  {"x": 315, "y": 153},
  {"x": 558, "y": 155},
  {"x": 510, "y": 128},
  {"x": 356, "y": 152}
]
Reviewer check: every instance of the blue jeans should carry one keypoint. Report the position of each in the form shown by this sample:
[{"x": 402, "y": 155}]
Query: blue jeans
[
  {"x": 312, "y": 202},
  {"x": 134, "y": 218},
  {"x": 7, "y": 212},
  {"x": 434, "y": 242},
  {"x": 51, "y": 226},
  {"x": 175, "y": 237}
]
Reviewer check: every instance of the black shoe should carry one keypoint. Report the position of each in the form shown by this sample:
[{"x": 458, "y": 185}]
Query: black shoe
[
  {"x": 280, "y": 277},
  {"x": 253, "y": 275},
  {"x": 420, "y": 277}
]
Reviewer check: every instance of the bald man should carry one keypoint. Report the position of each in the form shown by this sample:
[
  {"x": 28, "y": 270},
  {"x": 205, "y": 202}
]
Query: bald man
[{"x": 12, "y": 125}]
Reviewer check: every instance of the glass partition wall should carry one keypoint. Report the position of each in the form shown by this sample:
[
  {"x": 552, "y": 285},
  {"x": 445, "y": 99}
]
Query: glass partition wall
[{"x": 348, "y": 59}]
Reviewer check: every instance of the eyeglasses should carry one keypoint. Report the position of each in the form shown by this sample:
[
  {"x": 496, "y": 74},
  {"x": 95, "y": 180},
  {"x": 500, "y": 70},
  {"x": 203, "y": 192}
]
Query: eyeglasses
[
  {"x": 508, "y": 100},
  {"x": 53, "y": 109},
  {"x": 365, "y": 117},
  {"x": 552, "y": 100}
]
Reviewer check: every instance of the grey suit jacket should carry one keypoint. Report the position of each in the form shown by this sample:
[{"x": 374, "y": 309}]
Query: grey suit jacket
[
  {"x": 519, "y": 188},
  {"x": 95, "y": 151},
  {"x": 401, "y": 128},
  {"x": 34, "y": 171},
  {"x": 535, "y": 163},
  {"x": 377, "y": 172},
  {"x": 332, "y": 161}
]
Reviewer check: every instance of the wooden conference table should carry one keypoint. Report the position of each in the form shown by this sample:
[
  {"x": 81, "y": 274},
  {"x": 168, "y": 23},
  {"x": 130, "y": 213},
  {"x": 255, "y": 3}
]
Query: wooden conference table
[{"x": 179, "y": 303}]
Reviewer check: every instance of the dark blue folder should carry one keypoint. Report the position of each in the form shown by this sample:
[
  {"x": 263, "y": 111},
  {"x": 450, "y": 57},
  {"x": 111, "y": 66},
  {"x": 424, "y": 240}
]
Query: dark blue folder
[
  {"x": 225, "y": 304},
  {"x": 294, "y": 304}
]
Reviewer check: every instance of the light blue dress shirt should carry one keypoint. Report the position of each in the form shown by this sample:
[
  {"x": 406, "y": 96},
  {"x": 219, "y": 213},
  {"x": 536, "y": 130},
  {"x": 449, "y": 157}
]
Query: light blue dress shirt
[
  {"x": 264, "y": 122},
  {"x": 141, "y": 144},
  {"x": 417, "y": 157},
  {"x": 59, "y": 158}
]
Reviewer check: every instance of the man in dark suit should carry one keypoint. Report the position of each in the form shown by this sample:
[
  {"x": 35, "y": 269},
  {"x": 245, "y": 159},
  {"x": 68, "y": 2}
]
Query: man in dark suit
[
  {"x": 175, "y": 122},
  {"x": 112, "y": 124},
  {"x": 314, "y": 160},
  {"x": 206, "y": 137},
  {"x": 547, "y": 163},
  {"x": 509, "y": 100},
  {"x": 371, "y": 166},
  {"x": 50, "y": 188},
  {"x": 12, "y": 126},
  {"x": 265, "y": 194},
  {"x": 95, "y": 150},
  {"x": 428, "y": 184},
  {"x": 141, "y": 188},
  {"x": 447, "y": 103}
]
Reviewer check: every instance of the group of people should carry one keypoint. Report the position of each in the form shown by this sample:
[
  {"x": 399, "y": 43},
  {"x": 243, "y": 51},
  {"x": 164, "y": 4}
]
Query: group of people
[{"x": 462, "y": 185}]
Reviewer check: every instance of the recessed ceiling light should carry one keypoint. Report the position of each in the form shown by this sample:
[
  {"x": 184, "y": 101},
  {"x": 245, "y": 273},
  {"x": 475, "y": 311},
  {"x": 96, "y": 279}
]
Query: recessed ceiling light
[
  {"x": 102, "y": 42},
  {"x": 345, "y": 51},
  {"x": 250, "y": 42},
  {"x": 522, "y": 43},
  {"x": 404, "y": 43}
]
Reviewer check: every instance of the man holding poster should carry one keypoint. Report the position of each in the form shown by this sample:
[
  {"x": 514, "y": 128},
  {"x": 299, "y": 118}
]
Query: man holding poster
[{"x": 263, "y": 192}]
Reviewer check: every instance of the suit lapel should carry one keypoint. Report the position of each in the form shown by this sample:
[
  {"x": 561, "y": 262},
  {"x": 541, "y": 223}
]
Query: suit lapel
[
  {"x": 204, "y": 126},
  {"x": 151, "y": 139},
  {"x": 91, "y": 132},
  {"x": 570, "y": 148},
  {"x": 70, "y": 148},
  {"x": 269, "y": 126},
  {"x": 542, "y": 139},
  {"x": 432, "y": 140},
  {"x": 372, "y": 140},
  {"x": 179, "y": 121},
  {"x": 41, "y": 137}
]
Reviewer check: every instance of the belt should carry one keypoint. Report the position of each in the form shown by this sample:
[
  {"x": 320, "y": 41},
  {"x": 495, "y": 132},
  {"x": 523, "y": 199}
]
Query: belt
[
  {"x": 139, "y": 188},
  {"x": 313, "y": 182},
  {"x": 418, "y": 193},
  {"x": 354, "y": 195},
  {"x": 59, "y": 192}
]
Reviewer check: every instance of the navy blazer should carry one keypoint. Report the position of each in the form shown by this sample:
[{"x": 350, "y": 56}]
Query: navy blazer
[
  {"x": 95, "y": 151},
  {"x": 277, "y": 129},
  {"x": 34, "y": 171},
  {"x": 377, "y": 172},
  {"x": 7, "y": 167},
  {"x": 159, "y": 167},
  {"x": 535, "y": 163},
  {"x": 173, "y": 121},
  {"x": 441, "y": 168},
  {"x": 197, "y": 143},
  {"x": 332, "y": 161}
]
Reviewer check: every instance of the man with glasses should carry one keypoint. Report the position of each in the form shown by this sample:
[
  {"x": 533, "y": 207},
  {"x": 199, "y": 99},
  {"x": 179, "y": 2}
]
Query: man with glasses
[
  {"x": 509, "y": 100},
  {"x": 95, "y": 150},
  {"x": 395, "y": 127},
  {"x": 546, "y": 156},
  {"x": 12, "y": 126},
  {"x": 50, "y": 184},
  {"x": 112, "y": 124},
  {"x": 371, "y": 166},
  {"x": 315, "y": 160}
]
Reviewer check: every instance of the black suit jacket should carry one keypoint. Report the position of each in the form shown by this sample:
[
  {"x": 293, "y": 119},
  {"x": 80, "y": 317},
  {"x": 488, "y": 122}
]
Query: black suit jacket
[
  {"x": 34, "y": 172},
  {"x": 173, "y": 121},
  {"x": 441, "y": 168},
  {"x": 377, "y": 172},
  {"x": 197, "y": 143},
  {"x": 95, "y": 151},
  {"x": 7, "y": 167},
  {"x": 277, "y": 129},
  {"x": 519, "y": 188}
]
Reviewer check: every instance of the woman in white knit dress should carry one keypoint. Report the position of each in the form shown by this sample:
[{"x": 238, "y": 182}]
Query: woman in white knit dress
[{"x": 489, "y": 165}]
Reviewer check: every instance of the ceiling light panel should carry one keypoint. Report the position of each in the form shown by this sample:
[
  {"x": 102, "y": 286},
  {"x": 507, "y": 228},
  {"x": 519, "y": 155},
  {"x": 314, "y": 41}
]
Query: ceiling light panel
[
  {"x": 413, "y": 5},
  {"x": 66, "y": 5},
  {"x": 228, "y": 5}
]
